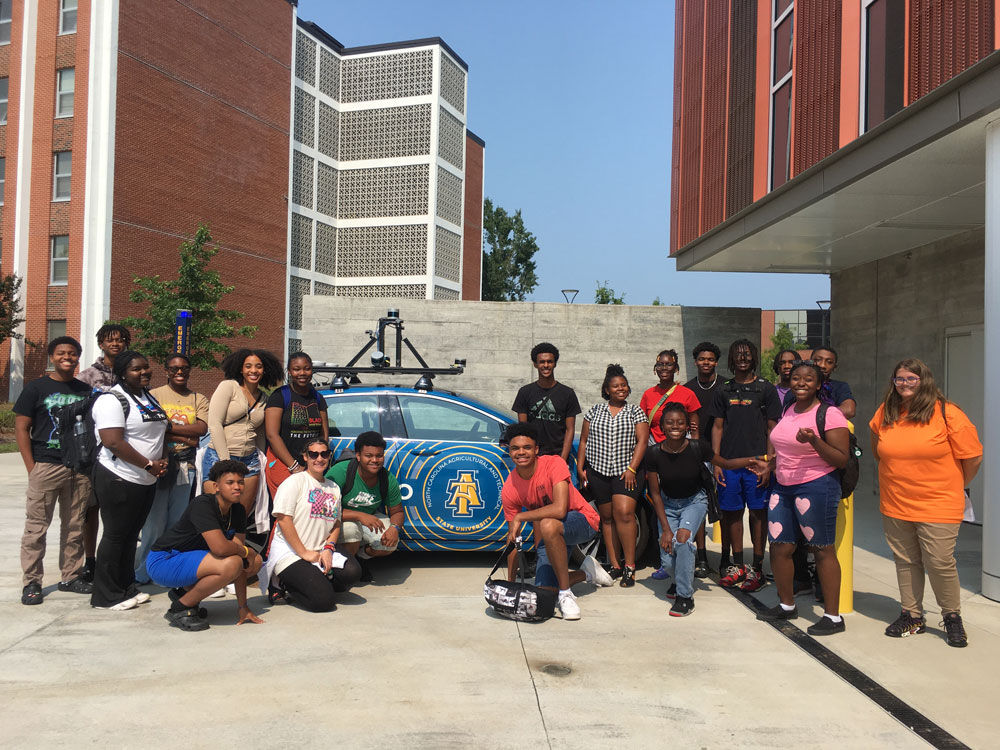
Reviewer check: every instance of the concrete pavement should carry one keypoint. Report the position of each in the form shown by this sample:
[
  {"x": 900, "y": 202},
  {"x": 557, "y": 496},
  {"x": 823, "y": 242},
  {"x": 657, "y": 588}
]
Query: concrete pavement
[{"x": 416, "y": 660}]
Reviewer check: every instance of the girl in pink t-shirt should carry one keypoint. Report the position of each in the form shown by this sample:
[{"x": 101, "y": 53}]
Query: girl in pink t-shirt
[{"x": 804, "y": 499}]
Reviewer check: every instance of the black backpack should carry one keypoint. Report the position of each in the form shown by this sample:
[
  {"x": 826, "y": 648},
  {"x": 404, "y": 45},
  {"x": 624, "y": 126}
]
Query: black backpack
[
  {"x": 352, "y": 472},
  {"x": 78, "y": 444},
  {"x": 849, "y": 474}
]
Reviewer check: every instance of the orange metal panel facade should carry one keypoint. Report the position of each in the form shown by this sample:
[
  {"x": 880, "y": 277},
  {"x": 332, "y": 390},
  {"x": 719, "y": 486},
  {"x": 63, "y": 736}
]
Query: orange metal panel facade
[
  {"x": 945, "y": 38},
  {"x": 714, "y": 122},
  {"x": 817, "y": 85}
]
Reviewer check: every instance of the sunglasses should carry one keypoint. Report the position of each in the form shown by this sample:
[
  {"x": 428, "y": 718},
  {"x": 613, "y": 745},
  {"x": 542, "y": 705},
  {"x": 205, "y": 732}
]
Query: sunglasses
[
  {"x": 318, "y": 454},
  {"x": 175, "y": 370}
]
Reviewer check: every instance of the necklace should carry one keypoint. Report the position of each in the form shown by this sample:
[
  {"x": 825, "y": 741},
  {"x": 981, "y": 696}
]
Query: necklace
[
  {"x": 663, "y": 446},
  {"x": 709, "y": 387}
]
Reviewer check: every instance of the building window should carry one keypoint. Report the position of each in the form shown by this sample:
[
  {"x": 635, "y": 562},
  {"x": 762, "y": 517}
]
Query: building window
[
  {"x": 4, "y": 87},
  {"x": 3, "y": 177},
  {"x": 62, "y": 172},
  {"x": 883, "y": 30},
  {"x": 59, "y": 267},
  {"x": 5, "y": 6},
  {"x": 54, "y": 330},
  {"x": 67, "y": 16},
  {"x": 782, "y": 70},
  {"x": 64, "y": 92}
]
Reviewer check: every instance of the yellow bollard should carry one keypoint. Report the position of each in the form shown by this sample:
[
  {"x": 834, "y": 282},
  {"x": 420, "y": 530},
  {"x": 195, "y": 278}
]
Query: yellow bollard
[
  {"x": 717, "y": 533},
  {"x": 844, "y": 546}
]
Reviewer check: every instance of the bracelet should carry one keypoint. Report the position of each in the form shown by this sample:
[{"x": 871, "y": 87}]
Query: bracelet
[
  {"x": 330, "y": 546},
  {"x": 293, "y": 466},
  {"x": 246, "y": 552},
  {"x": 629, "y": 468}
]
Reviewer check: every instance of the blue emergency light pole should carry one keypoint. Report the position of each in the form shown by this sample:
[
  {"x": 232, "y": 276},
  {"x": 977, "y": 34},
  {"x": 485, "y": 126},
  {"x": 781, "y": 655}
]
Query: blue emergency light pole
[{"x": 182, "y": 332}]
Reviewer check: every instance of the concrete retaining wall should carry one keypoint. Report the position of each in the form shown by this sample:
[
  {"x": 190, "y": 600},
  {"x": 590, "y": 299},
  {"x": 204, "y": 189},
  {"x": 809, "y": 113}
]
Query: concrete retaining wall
[{"x": 496, "y": 337}]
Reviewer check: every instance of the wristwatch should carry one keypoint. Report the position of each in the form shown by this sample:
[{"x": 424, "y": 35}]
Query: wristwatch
[{"x": 148, "y": 466}]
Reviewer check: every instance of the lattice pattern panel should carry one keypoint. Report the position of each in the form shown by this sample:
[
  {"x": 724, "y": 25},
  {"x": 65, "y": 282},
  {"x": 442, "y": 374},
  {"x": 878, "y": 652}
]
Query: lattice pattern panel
[
  {"x": 324, "y": 290},
  {"x": 447, "y": 255},
  {"x": 301, "y": 242},
  {"x": 385, "y": 133},
  {"x": 407, "y": 291},
  {"x": 294, "y": 345},
  {"x": 329, "y": 131},
  {"x": 305, "y": 117},
  {"x": 297, "y": 288},
  {"x": 326, "y": 249},
  {"x": 452, "y": 84},
  {"x": 326, "y": 190},
  {"x": 441, "y": 292},
  {"x": 384, "y": 191},
  {"x": 451, "y": 138},
  {"x": 382, "y": 251},
  {"x": 305, "y": 58},
  {"x": 366, "y": 79},
  {"x": 302, "y": 179},
  {"x": 329, "y": 74},
  {"x": 449, "y": 196}
]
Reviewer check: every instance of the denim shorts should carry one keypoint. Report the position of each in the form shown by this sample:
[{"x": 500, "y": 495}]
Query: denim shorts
[
  {"x": 806, "y": 512},
  {"x": 251, "y": 461},
  {"x": 576, "y": 530},
  {"x": 741, "y": 491},
  {"x": 174, "y": 569}
]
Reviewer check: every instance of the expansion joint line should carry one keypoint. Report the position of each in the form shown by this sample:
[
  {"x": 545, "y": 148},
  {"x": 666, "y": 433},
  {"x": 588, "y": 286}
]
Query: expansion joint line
[{"x": 538, "y": 702}]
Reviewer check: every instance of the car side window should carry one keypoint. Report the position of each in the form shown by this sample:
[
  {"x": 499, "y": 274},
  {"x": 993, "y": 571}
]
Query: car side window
[
  {"x": 436, "y": 419},
  {"x": 351, "y": 415}
]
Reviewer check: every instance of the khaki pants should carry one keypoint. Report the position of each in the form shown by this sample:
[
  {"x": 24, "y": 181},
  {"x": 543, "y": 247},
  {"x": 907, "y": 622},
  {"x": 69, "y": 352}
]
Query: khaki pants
[
  {"x": 352, "y": 531},
  {"x": 919, "y": 547},
  {"x": 49, "y": 484}
]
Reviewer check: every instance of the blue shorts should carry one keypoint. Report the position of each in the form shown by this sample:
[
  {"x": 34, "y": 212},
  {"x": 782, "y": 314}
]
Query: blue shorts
[
  {"x": 251, "y": 461},
  {"x": 576, "y": 530},
  {"x": 741, "y": 491},
  {"x": 806, "y": 512},
  {"x": 174, "y": 569}
]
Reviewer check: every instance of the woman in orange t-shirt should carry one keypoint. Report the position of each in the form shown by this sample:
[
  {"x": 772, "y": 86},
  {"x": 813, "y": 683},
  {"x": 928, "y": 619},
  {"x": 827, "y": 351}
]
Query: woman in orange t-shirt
[{"x": 928, "y": 452}]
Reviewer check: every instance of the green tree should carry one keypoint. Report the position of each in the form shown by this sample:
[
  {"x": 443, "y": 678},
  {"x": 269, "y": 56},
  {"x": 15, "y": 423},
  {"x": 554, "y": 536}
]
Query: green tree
[
  {"x": 656, "y": 302},
  {"x": 10, "y": 307},
  {"x": 782, "y": 339},
  {"x": 508, "y": 268},
  {"x": 197, "y": 288},
  {"x": 605, "y": 295}
]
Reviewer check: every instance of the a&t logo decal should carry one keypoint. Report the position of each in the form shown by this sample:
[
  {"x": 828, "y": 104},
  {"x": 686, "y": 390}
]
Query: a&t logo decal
[{"x": 463, "y": 494}]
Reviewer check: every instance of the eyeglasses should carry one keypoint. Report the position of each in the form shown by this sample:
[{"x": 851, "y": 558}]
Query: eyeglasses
[
  {"x": 664, "y": 365},
  {"x": 318, "y": 454},
  {"x": 908, "y": 380},
  {"x": 174, "y": 370}
]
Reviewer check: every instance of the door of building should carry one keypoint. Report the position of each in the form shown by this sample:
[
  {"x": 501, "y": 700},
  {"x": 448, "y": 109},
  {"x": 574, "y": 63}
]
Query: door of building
[{"x": 964, "y": 386}]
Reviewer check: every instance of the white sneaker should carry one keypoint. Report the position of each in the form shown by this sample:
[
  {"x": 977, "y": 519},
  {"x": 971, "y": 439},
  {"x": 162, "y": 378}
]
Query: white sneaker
[
  {"x": 231, "y": 589},
  {"x": 122, "y": 606},
  {"x": 217, "y": 594},
  {"x": 567, "y": 607},
  {"x": 595, "y": 573},
  {"x": 142, "y": 597}
]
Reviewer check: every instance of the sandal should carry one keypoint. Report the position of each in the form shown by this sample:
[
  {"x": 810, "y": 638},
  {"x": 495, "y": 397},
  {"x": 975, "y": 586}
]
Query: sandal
[
  {"x": 31, "y": 594},
  {"x": 175, "y": 596},
  {"x": 615, "y": 573},
  {"x": 275, "y": 594}
]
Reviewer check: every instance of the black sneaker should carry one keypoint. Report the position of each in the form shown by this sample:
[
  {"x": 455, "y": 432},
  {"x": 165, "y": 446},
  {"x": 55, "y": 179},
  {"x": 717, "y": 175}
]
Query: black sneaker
[
  {"x": 776, "y": 613},
  {"x": 955, "y": 630},
  {"x": 87, "y": 572},
  {"x": 701, "y": 569},
  {"x": 672, "y": 592},
  {"x": 185, "y": 619},
  {"x": 77, "y": 586},
  {"x": 31, "y": 594},
  {"x": 906, "y": 625},
  {"x": 366, "y": 571},
  {"x": 682, "y": 607},
  {"x": 175, "y": 596},
  {"x": 628, "y": 577},
  {"x": 826, "y": 626},
  {"x": 615, "y": 573}
]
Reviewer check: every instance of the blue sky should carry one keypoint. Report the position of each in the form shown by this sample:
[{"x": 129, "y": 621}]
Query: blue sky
[{"x": 574, "y": 102}]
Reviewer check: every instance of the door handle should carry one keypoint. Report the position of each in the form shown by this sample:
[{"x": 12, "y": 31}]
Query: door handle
[{"x": 425, "y": 453}]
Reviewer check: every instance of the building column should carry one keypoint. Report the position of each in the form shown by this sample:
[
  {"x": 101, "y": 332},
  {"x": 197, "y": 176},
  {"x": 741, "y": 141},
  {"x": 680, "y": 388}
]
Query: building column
[{"x": 991, "y": 400}]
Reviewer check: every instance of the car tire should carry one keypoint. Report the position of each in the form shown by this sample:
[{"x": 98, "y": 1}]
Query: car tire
[{"x": 595, "y": 546}]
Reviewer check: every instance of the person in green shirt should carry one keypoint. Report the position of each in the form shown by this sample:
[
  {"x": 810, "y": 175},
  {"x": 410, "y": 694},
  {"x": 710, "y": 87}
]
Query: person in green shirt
[{"x": 373, "y": 512}]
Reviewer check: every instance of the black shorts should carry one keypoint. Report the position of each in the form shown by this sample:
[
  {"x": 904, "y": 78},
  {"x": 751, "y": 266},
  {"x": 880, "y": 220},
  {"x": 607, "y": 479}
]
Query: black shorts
[{"x": 602, "y": 487}]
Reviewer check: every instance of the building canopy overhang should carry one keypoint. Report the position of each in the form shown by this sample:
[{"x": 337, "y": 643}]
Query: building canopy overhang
[{"x": 917, "y": 178}]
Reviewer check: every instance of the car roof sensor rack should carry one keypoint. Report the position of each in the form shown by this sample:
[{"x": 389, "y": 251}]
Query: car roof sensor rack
[{"x": 346, "y": 375}]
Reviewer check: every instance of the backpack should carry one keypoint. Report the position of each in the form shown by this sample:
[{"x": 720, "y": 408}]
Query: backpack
[
  {"x": 286, "y": 396},
  {"x": 707, "y": 482},
  {"x": 348, "y": 454},
  {"x": 849, "y": 474},
  {"x": 78, "y": 444}
]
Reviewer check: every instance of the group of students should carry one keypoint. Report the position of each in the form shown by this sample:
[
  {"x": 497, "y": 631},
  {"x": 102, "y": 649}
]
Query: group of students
[
  {"x": 182, "y": 472},
  {"x": 776, "y": 451}
]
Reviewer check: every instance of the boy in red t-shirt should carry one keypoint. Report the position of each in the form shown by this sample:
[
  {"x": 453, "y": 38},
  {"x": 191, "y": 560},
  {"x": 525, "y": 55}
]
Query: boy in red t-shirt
[{"x": 539, "y": 491}]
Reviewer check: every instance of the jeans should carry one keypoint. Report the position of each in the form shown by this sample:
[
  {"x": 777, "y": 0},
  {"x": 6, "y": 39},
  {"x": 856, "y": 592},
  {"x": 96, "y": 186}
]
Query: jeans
[
  {"x": 684, "y": 513},
  {"x": 168, "y": 505},
  {"x": 576, "y": 530}
]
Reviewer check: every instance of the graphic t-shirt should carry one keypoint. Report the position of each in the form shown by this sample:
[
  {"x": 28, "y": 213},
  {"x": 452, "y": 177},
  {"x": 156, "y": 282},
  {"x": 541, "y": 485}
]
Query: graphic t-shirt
[
  {"x": 706, "y": 397},
  {"x": 681, "y": 394},
  {"x": 745, "y": 409},
  {"x": 300, "y": 421},
  {"x": 202, "y": 514},
  {"x": 39, "y": 399},
  {"x": 679, "y": 473},
  {"x": 548, "y": 409},
  {"x": 362, "y": 497},
  {"x": 315, "y": 509},
  {"x": 529, "y": 494},
  {"x": 799, "y": 462},
  {"x": 182, "y": 410},
  {"x": 144, "y": 427}
]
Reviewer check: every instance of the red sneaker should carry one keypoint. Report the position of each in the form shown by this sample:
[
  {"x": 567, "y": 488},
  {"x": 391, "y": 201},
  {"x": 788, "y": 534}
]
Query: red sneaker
[
  {"x": 735, "y": 574},
  {"x": 754, "y": 581}
]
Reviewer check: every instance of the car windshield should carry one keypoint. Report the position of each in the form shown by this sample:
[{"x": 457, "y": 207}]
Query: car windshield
[{"x": 430, "y": 418}]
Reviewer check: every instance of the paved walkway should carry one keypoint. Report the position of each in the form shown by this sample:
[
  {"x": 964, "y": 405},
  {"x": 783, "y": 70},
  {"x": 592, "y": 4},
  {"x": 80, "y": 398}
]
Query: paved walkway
[{"x": 416, "y": 661}]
